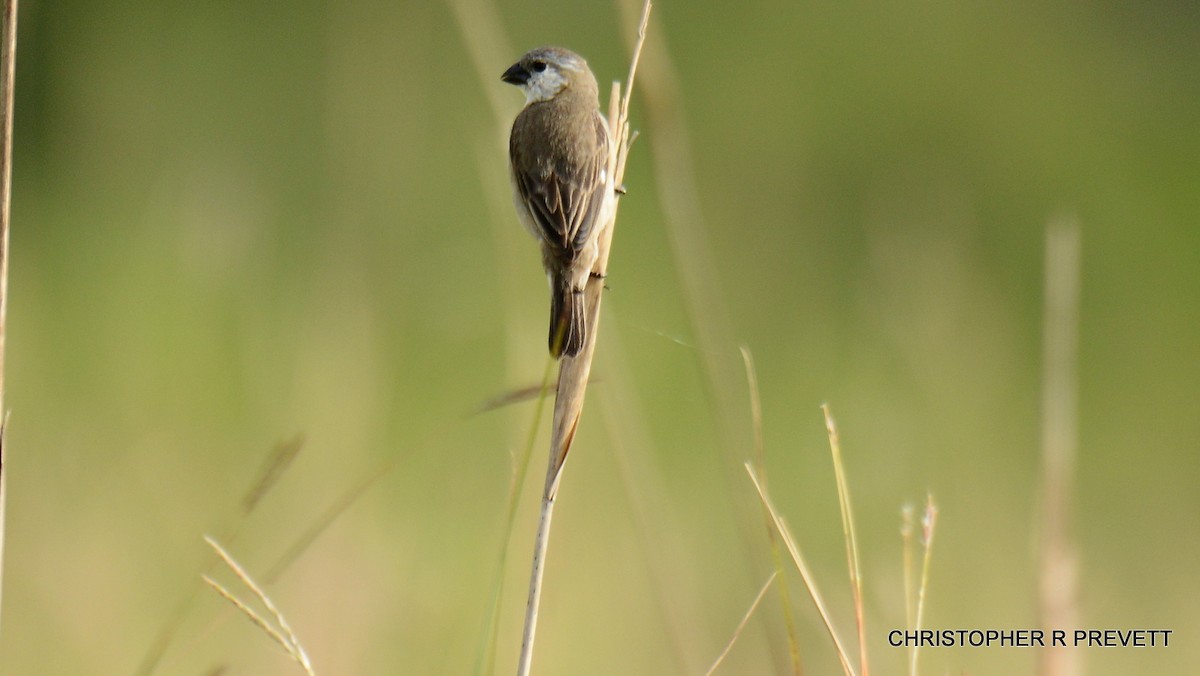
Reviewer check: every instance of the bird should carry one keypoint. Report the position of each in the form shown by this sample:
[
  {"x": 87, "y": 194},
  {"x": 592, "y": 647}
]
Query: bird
[{"x": 559, "y": 151}]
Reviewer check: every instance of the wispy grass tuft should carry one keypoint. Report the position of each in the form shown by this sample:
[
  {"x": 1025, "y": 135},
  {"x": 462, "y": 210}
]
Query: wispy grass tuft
[
  {"x": 274, "y": 466},
  {"x": 914, "y": 610},
  {"x": 798, "y": 559},
  {"x": 280, "y": 632}
]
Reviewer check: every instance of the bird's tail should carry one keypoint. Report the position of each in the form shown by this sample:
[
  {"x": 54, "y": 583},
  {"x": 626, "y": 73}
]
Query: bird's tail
[{"x": 568, "y": 327}]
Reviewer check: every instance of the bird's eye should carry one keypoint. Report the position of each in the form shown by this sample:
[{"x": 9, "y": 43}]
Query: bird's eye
[{"x": 539, "y": 66}]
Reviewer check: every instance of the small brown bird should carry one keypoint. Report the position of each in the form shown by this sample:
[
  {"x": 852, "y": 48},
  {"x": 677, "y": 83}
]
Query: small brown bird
[{"x": 558, "y": 155}]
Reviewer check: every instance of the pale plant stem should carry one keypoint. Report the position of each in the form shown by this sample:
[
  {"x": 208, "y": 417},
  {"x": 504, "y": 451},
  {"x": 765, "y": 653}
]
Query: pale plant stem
[
  {"x": 741, "y": 625},
  {"x": 538, "y": 570},
  {"x": 906, "y": 540},
  {"x": 1057, "y": 556},
  {"x": 928, "y": 527},
  {"x": 809, "y": 583},
  {"x": 645, "y": 490},
  {"x": 694, "y": 262},
  {"x": 760, "y": 453},
  {"x": 486, "y": 657},
  {"x": 849, "y": 536},
  {"x": 8, "y": 52},
  {"x": 574, "y": 372}
]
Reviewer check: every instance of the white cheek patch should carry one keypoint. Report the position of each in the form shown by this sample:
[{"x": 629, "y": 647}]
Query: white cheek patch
[{"x": 544, "y": 85}]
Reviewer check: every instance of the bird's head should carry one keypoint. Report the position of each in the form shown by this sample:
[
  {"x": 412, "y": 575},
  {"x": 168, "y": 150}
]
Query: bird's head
[{"x": 544, "y": 72}]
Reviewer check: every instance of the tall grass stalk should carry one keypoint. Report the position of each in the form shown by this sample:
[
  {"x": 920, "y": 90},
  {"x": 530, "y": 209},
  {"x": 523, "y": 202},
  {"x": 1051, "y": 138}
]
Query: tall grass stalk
[
  {"x": 486, "y": 655},
  {"x": 760, "y": 461},
  {"x": 8, "y": 53},
  {"x": 1057, "y": 556},
  {"x": 655, "y": 519},
  {"x": 906, "y": 544},
  {"x": 574, "y": 372},
  {"x": 849, "y": 536},
  {"x": 273, "y": 469},
  {"x": 928, "y": 528},
  {"x": 809, "y": 583},
  {"x": 741, "y": 625},
  {"x": 695, "y": 262}
]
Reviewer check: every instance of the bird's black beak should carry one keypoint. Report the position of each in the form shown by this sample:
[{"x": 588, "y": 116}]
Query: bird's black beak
[{"x": 516, "y": 75}]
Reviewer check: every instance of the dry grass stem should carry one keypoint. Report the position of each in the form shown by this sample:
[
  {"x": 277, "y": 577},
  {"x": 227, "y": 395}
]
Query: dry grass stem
[
  {"x": 484, "y": 42},
  {"x": 928, "y": 527},
  {"x": 8, "y": 53},
  {"x": 486, "y": 657},
  {"x": 662, "y": 98},
  {"x": 273, "y": 468},
  {"x": 331, "y": 513},
  {"x": 573, "y": 372},
  {"x": 517, "y": 396},
  {"x": 813, "y": 593},
  {"x": 654, "y": 520},
  {"x": 247, "y": 611},
  {"x": 849, "y": 536},
  {"x": 486, "y": 45},
  {"x": 742, "y": 625},
  {"x": 281, "y": 632},
  {"x": 663, "y": 105},
  {"x": 906, "y": 543},
  {"x": 1057, "y": 557},
  {"x": 760, "y": 455}
]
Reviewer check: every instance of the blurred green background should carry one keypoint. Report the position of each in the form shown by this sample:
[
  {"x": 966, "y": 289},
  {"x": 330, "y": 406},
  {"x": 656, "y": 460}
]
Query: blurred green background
[{"x": 236, "y": 222}]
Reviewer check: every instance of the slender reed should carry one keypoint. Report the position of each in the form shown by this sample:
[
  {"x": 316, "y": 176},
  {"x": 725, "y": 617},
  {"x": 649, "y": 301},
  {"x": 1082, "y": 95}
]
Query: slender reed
[
  {"x": 1057, "y": 556},
  {"x": 906, "y": 545},
  {"x": 798, "y": 559},
  {"x": 741, "y": 625},
  {"x": 8, "y": 53},
  {"x": 656, "y": 523},
  {"x": 574, "y": 371},
  {"x": 760, "y": 461},
  {"x": 928, "y": 527},
  {"x": 849, "y": 536},
  {"x": 486, "y": 655}
]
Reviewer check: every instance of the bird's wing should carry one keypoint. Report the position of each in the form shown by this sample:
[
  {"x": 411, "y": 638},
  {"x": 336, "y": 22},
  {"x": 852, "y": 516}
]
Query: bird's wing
[{"x": 566, "y": 203}]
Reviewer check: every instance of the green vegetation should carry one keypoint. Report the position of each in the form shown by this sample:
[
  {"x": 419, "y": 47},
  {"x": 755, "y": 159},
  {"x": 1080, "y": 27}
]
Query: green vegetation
[{"x": 236, "y": 223}]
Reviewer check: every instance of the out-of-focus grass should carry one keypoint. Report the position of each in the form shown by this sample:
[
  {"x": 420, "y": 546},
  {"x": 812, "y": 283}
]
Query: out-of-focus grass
[{"x": 233, "y": 224}]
